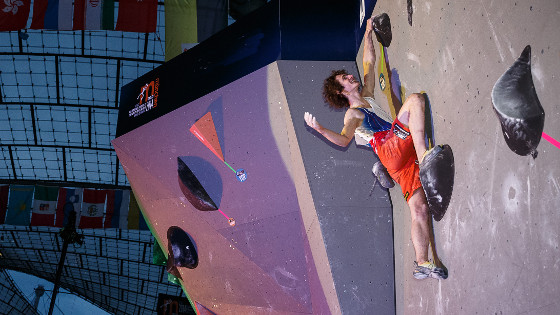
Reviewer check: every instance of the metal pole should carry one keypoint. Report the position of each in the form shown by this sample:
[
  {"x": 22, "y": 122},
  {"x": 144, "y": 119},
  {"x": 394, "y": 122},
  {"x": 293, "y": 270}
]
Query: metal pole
[
  {"x": 58, "y": 274},
  {"x": 70, "y": 236}
]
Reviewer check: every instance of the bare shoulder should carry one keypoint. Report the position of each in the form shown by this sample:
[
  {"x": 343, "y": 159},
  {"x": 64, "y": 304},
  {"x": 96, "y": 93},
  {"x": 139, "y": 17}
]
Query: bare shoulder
[{"x": 353, "y": 114}]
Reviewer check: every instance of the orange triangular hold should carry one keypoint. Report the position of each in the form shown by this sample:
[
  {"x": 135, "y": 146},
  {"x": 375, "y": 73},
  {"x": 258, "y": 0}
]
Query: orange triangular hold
[{"x": 205, "y": 131}]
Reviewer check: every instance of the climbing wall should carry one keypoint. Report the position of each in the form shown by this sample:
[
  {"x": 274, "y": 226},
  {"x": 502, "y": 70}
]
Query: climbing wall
[
  {"x": 499, "y": 238},
  {"x": 280, "y": 221}
]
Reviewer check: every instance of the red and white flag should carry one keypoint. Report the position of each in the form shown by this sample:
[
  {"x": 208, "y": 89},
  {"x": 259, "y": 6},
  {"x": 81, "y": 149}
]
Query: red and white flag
[
  {"x": 14, "y": 14},
  {"x": 93, "y": 209},
  {"x": 137, "y": 16}
]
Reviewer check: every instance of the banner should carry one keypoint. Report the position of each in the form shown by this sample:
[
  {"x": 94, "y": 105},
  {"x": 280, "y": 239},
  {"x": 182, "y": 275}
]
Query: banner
[
  {"x": 93, "y": 208},
  {"x": 52, "y": 14},
  {"x": 50, "y": 206},
  {"x": 4, "y": 192},
  {"x": 116, "y": 215},
  {"x": 19, "y": 205},
  {"x": 180, "y": 27},
  {"x": 68, "y": 199},
  {"x": 135, "y": 218},
  {"x": 14, "y": 14},
  {"x": 137, "y": 16},
  {"x": 44, "y": 206},
  {"x": 94, "y": 14},
  {"x": 189, "y": 22},
  {"x": 212, "y": 17}
]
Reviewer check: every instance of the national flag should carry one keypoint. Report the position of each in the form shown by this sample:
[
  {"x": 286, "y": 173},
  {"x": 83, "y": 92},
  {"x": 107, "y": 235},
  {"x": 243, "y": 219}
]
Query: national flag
[
  {"x": 212, "y": 17},
  {"x": 14, "y": 14},
  {"x": 137, "y": 16},
  {"x": 116, "y": 215},
  {"x": 180, "y": 27},
  {"x": 190, "y": 22},
  {"x": 44, "y": 206},
  {"x": 4, "y": 192},
  {"x": 52, "y": 14},
  {"x": 68, "y": 199},
  {"x": 94, "y": 14},
  {"x": 19, "y": 205},
  {"x": 135, "y": 218},
  {"x": 93, "y": 209}
]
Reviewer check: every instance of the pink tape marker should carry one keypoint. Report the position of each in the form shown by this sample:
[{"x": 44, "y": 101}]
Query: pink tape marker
[
  {"x": 551, "y": 140},
  {"x": 231, "y": 221}
]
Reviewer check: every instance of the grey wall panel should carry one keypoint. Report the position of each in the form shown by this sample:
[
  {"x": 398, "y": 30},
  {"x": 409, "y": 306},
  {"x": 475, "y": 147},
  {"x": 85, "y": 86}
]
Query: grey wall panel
[
  {"x": 499, "y": 238},
  {"x": 355, "y": 216}
]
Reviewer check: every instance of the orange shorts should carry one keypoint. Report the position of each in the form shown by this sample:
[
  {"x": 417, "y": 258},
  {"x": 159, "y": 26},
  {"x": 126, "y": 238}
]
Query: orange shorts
[{"x": 396, "y": 152}]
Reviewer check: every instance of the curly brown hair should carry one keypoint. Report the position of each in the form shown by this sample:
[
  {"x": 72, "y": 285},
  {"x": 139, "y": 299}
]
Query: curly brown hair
[{"x": 332, "y": 91}]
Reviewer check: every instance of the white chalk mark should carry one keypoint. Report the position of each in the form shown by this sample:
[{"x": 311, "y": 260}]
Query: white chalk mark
[
  {"x": 555, "y": 183},
  {"x": 427, "y": 7},
  {"x": 494, "y": 36},
  {"x": 413, "y": 57},
  {"x": 537, "y": 72},
  {"x": 450, "y": 56},
  {"x": 529, "y": 198}
]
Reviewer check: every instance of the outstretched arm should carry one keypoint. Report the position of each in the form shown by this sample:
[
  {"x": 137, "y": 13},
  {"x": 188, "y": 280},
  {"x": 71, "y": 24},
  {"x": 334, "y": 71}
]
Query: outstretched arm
[
  {"x": 369, "y": 60},
  {"x": 341, "y": 139}
]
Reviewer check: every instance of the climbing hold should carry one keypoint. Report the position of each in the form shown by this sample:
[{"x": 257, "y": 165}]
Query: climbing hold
[
  {"x": 382, "y": 28},
  {"x": 518, "y": 107},
  {"x": 192, "y": 188},
  {"x": 181, "y": 250},
  {"x": 437, "y": 174}
]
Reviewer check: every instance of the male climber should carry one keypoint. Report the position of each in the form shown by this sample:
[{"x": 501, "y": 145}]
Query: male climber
[{"x": 399, "y": 145}]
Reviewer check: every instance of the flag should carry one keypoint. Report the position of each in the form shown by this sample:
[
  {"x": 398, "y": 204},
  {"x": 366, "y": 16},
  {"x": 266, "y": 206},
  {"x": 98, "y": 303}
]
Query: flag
[
  {"x": 52, "y": 14},
  {"x": 180, "y": 27},
  {"x": 68, "y": 199},
  {"x": 135, "y": 218},
  {"x": 93, "y": 209},
  {"x": 94, "y": 14},
  {"x": 190, "y": 22},
  {"x": 14, "y": 14},
  {"x": 44, "y": 206},
  {"x": 137, "y": 16},
  {"x": 4, "y": 192},
  {"x": 212, "y": 17},
  {"x": 19, "y": 205},
  {"x": 116, "y": 215}
]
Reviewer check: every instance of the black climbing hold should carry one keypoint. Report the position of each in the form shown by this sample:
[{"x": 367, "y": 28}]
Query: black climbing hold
[
  {"x": 437, "y": 174},
  {"x": 193, "y": 190},
  {"x": 410, "y": 11},
  {"x": 382, "y": 29},
  {"x": 518, "y": 107},
  {"x": 181, "y": 250}
]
